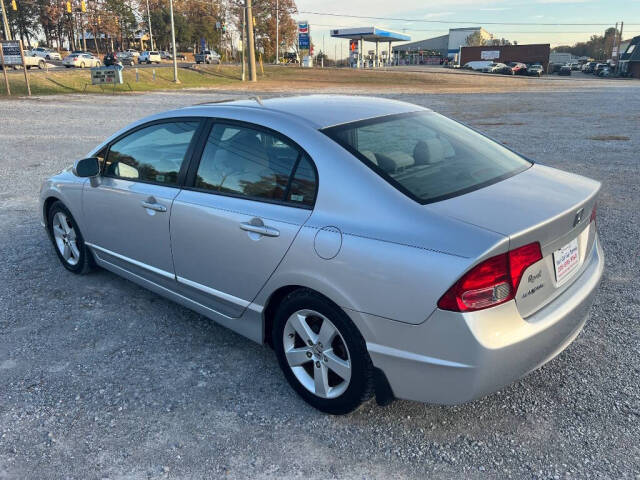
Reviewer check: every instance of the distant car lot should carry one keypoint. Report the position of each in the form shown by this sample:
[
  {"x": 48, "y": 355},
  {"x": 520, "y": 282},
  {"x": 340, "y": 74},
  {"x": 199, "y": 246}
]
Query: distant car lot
[{"x": 100, "y": 378}]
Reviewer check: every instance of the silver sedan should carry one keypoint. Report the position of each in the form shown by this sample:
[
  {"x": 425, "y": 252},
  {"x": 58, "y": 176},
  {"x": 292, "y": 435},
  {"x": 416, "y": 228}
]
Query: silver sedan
[{"x": 379, "y": 247}]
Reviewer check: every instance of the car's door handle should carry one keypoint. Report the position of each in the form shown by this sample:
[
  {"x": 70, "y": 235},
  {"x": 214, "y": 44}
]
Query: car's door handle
[
  {"x": 154, "y": 206},
  {"x": 261, "y": 229}
]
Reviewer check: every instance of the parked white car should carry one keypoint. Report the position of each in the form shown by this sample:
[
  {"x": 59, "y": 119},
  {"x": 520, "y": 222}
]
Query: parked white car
[
  {"x": 133, "y": 52},
  {"x": 31, "y": 59},
  {"x": 81, "y": 60},
  {"x": 477, "y": 65},
  {"x": 149, "y": 57},
  {"x": 46, "y": 53}
]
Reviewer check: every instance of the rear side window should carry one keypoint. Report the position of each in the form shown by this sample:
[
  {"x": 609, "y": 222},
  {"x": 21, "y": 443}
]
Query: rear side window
[
  {"x": 252, "y": 163},
  {"x": 427, "y": 156},
  {"x": 303, "y": 183},
  {"x": 152, "y": 154}
]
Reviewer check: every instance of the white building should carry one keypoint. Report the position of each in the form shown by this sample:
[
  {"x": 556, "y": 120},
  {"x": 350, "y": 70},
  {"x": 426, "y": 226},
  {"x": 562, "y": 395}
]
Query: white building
[{"x": 445, "y": 45}]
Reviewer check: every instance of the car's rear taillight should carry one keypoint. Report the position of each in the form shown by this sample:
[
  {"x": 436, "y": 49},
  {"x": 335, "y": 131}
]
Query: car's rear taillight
[
  {"x": 491, "y": 282},
  {"x": 593, "y": 213}
]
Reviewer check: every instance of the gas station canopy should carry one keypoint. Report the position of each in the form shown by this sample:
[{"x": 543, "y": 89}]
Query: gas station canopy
[{"x": 370, "y": 34}]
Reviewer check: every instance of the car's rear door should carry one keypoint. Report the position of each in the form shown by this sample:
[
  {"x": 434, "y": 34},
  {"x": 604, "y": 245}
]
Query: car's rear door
[
  {"x": 127, "y": 210},
  {"x": 242, "y": 205}
]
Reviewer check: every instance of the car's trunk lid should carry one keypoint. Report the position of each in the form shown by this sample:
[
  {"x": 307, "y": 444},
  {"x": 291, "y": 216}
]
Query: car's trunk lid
[{"x": 542, "y": 205}]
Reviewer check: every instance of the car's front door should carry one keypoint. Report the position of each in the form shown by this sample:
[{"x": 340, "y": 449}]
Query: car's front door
[
  {"x": 239, "y": 212},
  {"x": 127, "y": 210}
]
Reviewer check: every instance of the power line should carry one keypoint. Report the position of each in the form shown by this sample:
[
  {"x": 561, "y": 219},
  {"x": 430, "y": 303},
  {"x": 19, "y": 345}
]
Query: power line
[
  {"x": 366, "y": 17},
  {"x": 524, "y": 32}
]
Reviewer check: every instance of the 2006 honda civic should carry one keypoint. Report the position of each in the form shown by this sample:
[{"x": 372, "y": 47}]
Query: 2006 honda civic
[{"x": 379, "y": 247}]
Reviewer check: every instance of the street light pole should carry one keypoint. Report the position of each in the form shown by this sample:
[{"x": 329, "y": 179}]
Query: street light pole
[
  {"x": 173, "y": 44},
  {"x": 5, "y": 23},
  {"x": 150, "y": 33}
]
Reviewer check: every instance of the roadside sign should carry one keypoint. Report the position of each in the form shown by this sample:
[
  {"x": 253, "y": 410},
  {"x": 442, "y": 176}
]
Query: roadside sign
[
  {"x": 489, "y": 54},
  {"x": 11, "y": 52},
  {"x": 106, "y": 75}
]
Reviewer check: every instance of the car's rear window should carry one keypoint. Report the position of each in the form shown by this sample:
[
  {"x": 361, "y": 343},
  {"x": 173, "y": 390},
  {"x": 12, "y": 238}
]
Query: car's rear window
[{"x": 427, "y": 156}]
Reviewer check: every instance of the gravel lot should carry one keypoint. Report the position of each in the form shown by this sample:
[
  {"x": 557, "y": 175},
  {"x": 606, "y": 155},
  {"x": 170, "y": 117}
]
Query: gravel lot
[{"x": 102, "y": 379}]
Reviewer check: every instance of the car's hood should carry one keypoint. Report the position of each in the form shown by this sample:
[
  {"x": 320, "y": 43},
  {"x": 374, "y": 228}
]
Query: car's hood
[{"x": 539, "y": 204}]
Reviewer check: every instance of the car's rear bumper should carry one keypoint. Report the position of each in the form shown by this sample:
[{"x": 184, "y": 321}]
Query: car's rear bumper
[{"x": 453, "y": 358}]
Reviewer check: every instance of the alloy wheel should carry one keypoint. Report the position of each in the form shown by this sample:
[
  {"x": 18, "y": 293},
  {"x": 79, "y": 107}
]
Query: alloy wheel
[
  {"x": 317, "y": 353},
  {"x": 65, "y": 238}
]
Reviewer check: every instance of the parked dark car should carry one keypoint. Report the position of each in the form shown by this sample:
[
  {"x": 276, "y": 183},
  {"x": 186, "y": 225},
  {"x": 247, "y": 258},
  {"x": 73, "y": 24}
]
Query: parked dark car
[
  {"x": 555, "y": 67},
  {"x": 518, "y": 68},
  {"x": 111, "y": 59},
  {"x": 535, "y": 70},
  {"x": 565, "y": 70}
]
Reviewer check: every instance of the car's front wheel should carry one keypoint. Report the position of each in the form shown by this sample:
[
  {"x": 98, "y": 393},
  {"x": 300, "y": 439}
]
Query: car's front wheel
[
  {"x": 67, "y": 240},
  {"x": 322, "y": 353}
]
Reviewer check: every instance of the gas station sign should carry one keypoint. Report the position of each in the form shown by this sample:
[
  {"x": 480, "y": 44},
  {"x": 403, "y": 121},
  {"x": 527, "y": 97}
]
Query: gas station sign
[{"x": 304, "y": 43}]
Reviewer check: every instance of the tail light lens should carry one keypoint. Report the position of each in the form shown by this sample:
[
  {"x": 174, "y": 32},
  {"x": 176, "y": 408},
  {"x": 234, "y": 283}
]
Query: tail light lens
[
  {"x": 491, "y": 282},
  {"x": 593, "y": 213}
]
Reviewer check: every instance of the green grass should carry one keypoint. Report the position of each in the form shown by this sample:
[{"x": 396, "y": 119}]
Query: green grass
[{"x": 49, "y": 83}]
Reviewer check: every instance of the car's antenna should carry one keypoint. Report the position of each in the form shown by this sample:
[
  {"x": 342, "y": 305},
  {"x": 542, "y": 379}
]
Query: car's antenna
[{"x": 257, "y": 99}]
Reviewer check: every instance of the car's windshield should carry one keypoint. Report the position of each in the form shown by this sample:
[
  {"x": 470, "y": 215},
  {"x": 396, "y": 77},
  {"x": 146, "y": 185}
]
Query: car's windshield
[{"x": 427, "y": 156}]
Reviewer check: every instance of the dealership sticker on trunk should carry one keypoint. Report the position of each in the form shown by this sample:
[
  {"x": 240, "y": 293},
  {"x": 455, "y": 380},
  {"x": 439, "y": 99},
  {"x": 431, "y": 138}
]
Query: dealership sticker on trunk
[{"x": 566, "y": 260}]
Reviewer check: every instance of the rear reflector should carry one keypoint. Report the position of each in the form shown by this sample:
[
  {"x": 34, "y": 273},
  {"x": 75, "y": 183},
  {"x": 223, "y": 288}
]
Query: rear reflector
[{"x": 491, "y": 282}]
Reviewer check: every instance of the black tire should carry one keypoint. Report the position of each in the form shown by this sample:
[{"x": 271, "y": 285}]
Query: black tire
[
  {"x": 85, "y": 261},
  {"x": 360, "y": 388},
  {"x": 41, "y": 65}
]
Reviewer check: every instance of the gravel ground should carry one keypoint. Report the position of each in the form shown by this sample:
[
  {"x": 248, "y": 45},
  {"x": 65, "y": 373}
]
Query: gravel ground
[{"x": 102, "y": 379}]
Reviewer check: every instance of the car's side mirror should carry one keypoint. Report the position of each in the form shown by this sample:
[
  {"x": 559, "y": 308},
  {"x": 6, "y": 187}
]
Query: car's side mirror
[{"x": 87, "y": 167}]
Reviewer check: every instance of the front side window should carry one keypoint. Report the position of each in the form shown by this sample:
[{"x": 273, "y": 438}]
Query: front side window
[
  {"x": 151, "y": 154},
  {"x": 238, "y": 160},
  {"x": 427, "y": 156}
]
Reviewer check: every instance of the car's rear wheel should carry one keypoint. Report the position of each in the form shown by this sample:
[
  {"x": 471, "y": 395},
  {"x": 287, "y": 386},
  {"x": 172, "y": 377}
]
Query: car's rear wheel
[
  {"x": 41, "y": 65},
  {"x": 82, "y": 65},
  {"x": 67, "y": 240},
  {"x": 322, "y": 354}
]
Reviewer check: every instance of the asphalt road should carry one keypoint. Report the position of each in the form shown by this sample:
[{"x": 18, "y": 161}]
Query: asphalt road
[{"x": 102, "y": 379}]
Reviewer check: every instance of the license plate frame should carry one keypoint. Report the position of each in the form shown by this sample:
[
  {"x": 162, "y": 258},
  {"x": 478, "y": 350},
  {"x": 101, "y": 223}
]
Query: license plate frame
[{"x": 566, "y": 261}]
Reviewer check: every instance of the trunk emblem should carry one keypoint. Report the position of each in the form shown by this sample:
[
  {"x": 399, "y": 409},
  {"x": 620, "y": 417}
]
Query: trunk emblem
[{"x": 578, "y": 217}]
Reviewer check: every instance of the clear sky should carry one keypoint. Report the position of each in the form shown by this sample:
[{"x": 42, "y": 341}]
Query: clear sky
[{"x": 464, "y": 13}]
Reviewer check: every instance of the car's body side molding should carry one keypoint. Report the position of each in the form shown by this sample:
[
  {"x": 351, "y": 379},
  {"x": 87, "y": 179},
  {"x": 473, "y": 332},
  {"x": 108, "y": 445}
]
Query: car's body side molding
[{"x": 249, "y": 325}]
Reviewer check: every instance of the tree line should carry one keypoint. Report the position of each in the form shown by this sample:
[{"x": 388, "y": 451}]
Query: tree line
[
  {"x": 598, "y": 46},
  {"x": 118, "y": 24}
]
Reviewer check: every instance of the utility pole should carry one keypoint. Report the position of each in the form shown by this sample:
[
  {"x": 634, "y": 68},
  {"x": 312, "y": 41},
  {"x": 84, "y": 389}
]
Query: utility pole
[
  {"x": 244, "y": 43},
  {"x": 150, "y": 33},
  {"x": 84, "y": 39},
  {"x": 619, "y": 45},
  {"x": 5, "y": 23},
  {"x": 253, "y": 75},
  {"x": 173, "y": 44},
  {"x": 277, "y": 32}
]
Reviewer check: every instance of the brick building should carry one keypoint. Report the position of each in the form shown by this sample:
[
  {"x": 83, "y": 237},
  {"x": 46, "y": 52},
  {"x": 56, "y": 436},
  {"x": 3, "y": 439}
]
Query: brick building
[{"x": 534, "y": 53}]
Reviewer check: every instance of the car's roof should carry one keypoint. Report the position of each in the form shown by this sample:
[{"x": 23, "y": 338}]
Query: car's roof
[{"x": 324, "y": 110}]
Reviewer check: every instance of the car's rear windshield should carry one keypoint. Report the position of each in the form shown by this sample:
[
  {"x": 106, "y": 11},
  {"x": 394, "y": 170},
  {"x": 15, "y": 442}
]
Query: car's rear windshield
[{"x": 426, "y": 155}]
